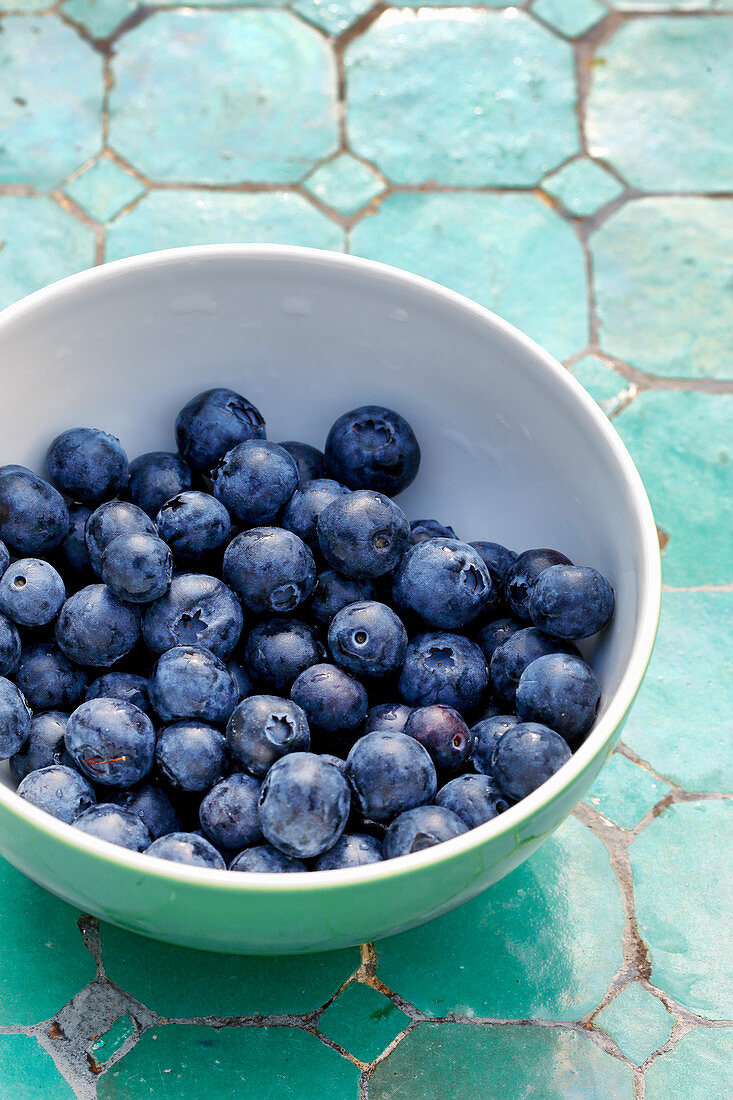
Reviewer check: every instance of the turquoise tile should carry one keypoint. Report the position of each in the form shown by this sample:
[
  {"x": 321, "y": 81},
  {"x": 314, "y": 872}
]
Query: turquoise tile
[
  {"x": 602, "y": 382},
  {"x": 223, "y": 97},
  {"x": 663, "y": 269},
  {"x": 41, "y": 244},
  {"x": 444, "y": 4},
  {"x": 27, "y": 1072},
  {"x": 363, "y": 1021},
  {"x": 102, "y": 1049},
  {"x": 696, "y": 1068},
  {"x": 99, "y": 17},
  {"x": 683, "y": 885},
  {"x": 44, "y": 962},
  {"x": 583, "y": 187},
  {"x": 25, "y": 5},
  {"x": 508, "y": 252},
  {"x": 51, "y": 122},
  {"x": 665, "y": 124},
  {"x": 344, "y": 183},
  {"x": 624, "y": 792},
  {"x": 199, "y": 1062},
  {"x": 440, "y": 1061},
  {"x": 104, "y": 188},
  {"x": 461, "y": 96},
  {"x": 544, "y": 942},
  {"x": 671, "y": 5},
  {"x": 570, "y": 17},
  {"x": 637, "y": 1021},
  {"x": 681, "y": 445},
  {"x": 690, "y": 674},
  {"x": 332, "y": 16}
]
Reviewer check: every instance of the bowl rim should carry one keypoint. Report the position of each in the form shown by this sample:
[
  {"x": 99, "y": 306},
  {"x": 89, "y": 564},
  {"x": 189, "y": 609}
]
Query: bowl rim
[{"x": 599, "y": 737}]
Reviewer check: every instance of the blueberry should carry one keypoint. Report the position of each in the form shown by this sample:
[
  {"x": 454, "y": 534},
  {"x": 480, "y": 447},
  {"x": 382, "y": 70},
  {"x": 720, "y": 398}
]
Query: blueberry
[
  {"x": 390, "y": 717},
  {"x": 491, "y": 636},
  {"x": 193, "y": 524},
  {"x": 126, "y": 686},
  {"x": 559, "y": 691},
  {"x": 188, "y": 848},
  {"x": 571, "y": 601},
  {"x": 423, "y": 529},
  {"x": 4, "y": 557},
  {"x": 497, "y": 559},
  {"x": 443, "y": 581},
  {"x": 443, "y": 732},
  {"x": 332, "y": 700},
  {"x": 58, "y": 790},
  {"x": 373, "y": 448},
  {"x": 229, "y": 812},
  {"x": 523, "y": 573},
  {"x": 309, "y": 460},
  {"x": 241, "y": 679},
  {"x": 526, "y": 756},
  {"x": 443, "y": 668},
  {"x": 341, "y": 764},
  {"x": 389, "y": 773},
  {"x": 368, "y": 639},
  {"x": 486, "y": 735},
  {"x": 196, "y": 610},
  {"x": 278, "y": 650},
  {"x": 421, "y": 828},
  {"x": 351, "y": 850},
  {"x": 473, "y": 798},
  {"x": 191, "y": 756},
  {"x": 115, "y": 825},
  {"x": 137, "y": 568},
  {"x": 15, "y": 719},
  {"x": 512, "y": 657},
  {"x": 9, "y": 647},
  {"x": 212, "y": 423},
  {"x": 305, "y": 506},
  {"x": 363, "y": 534},
  {"x": 72, "y": 553},
  {"x": 108, "y": 522},
  {"x": 270, "y": 569},
  {"x": 255, "y": 480},
  {"x": 49, "y": 680},
  {"x": 95, "y": 628},
  {"x": 31, "y": 592},
  {"x": 263, "y": 728},
  {"x": 266, "y": 858},
  {"x": 87, "y": 464},
  {"x": 190, "y": 682},
  {"x": 155, "y": 478},
  {"x": 45, "y": 745},
  {"x": 111, "y": 742},
  {"x": 333, "y": 591},
  {"x": 154, "y": 808},
  {"x": 33, "y": 515},
  {"x": 304, "y": 805}
]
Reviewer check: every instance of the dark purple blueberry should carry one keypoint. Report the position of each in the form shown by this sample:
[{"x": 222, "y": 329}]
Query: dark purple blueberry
[
  {"x": 190, "y": 755},
  {"x": 193, "y": 524},
  {"x": 255, "y": 480},
  {"x": 212, "y": 423},
  {"x": 33, "y": 515},
  {"x": 526, "y": 756},
  {"x": 423, "y": 529},
  {"x": 111, "y": 742},
  {"x": 363, "y": 534},
  {"x": 45, "y": 745},
  {"x": 126, "y": 686},
  {"x": 333, "y": 591},
  {"x": 421, "y": 828},
  {"x": 115, "y": 825},
  {"x": 332, "y": 700},
  {"x": 512, "y": 657},
  {"x": 473, "y": 798},
  {"x": 305, "y": 506},
  {"x": 571, "y": 601},
  {"x": 87, "y": 464},
  {"x": 443, "y": 732},
  {"x": 58, "y": 790},
  {"x": 443, "y": 668},
  {"x": 31, "y": 592},
  {"x": 367, "y": 639},
  {"x": 390, "y": 717},
  {"x": 373, "y": 447},
  {"x": 265, "y": 858},
  {"x": 72, "y": 555},
  {"x": 15, "y": 719},
  {"x": 108, "y": 522},
  {"x": 137, "y": 568},
  {"x": 351, "y": 850},
  {"x": 278, "y": 650},
  {"x": 196, "y": 610},
  {"x": 304, "y": 805},
  {"x": 271, "y": 570},
  {"x": 95, "y": 628},
  {"x": 9, "y": 646},
  {"x": 263, "y": 728},
  {"x": 49, "y": 680},
  {"x": 155, "y": 477},
  {"x": 190, "y": 682},
  {"x": 309, "y": 460},
  {"x": 443, "y": 581},
  {"x": 389, "y": 773},
  {"x": 486, "y": 735},
  {"x": 559, "y": 691},
  {"x": 189, "y": 848},
  {"x": 491, "y": 636},
  {"x": 154, "y": 808},
  {"x": 229, "y": 812},
  {"x": 523, "y": 573}
]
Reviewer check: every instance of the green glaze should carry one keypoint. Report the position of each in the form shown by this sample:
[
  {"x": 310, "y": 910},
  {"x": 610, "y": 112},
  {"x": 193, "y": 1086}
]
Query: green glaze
[
  {"x": 624, "y": 792},
  {"x": 108, "y": 1044},
  {"x": 696, "y": 1069},
  {"x": 104, "y": 188},
  {"x": 363, "y": 1021},
  {"x": 583, "y": 186},
  {"x": 41, "y": 242},
  {"x": 344, "y": 183},
  {"x": 570, "y": 17},
  {"x": 637, "y": 1021},
  {"x": 27, "y": 1071}
]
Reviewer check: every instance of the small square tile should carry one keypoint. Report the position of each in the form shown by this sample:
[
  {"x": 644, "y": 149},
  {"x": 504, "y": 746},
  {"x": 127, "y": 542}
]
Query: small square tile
[
  {"x": 570, "y": 17},
  {"x": 108, "y": 1044},
  {"x": 99, "y": 17},
  {"x": 605, "y": 386},
  {"x": 363, "y": 1021},
  {"x": 27, "y": 1071},
  {"x": 333, "y": 16},
  {"x": 624, "y": 792},
  {"x": 344, "y": 183},
  {"x": 637, "y": 1021},
  {"x": 104, "y": 188},
  {"x": 583, "y": 187}
]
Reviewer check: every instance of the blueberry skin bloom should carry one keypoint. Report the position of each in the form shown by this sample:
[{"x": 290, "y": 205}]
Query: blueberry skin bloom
[
  {"x": 309, "y": 460},
  {"x": 137, "y": 568},
  {"x": 87, "y": 465},
  {"x": 191, "y": 756},
  {"x": 390, "y": 717},
  {"x": 155, "y": 477},
  {"x": 270, "y": 569},
  {"x": 304, "y": 805},
  {"x": 571, "y": 601},
  {"x": 188, "y": 848},
  {"x": 420, "y": 828},
  {"x": 491, "y": 636},
  {"x": 497, "y": 559},
  {"x": 95, "y": 628},
  {"x": 229, "y": 812},
  {"x": 278, "y": 650},
  {"x": 190, "y": 682},
  {"x": 193, "y": 524},
  {"x": 520, "y": 578},
  {"x": 363, "y": 534},
  {"x": 526, "y": 756},
  {"x": 49, "y": 680},
  {"x": 60, "y": 791},
  {"x": 72, "y": 553},
  {"x": 443, "y": 581},
  {"x": 332, "y": 700},
  {"x": 255, "y": 481},
  {"x": 33, "y": 515},
  {"x": 351, "y": 850},
  {"x": 121, "y": 685},
  {"x": 111, "y": 742},
  {"x": 510, "y": 659},
  {"x": 212, "y": 423},
  {"x": 115, "y": 825},
  {"x": 15, "y": 719},
  {"x": 443, "y": 668},
  {"x": 423, "y": 529},
  {"x": 263, "y": 728},
  {"x": 390, "y": 773},
  {"x": 305, "y": 506},
  {"x": 9, "y": 646},
  {"x": 442, "y": 731},
  {"x": 473, "y": 798},
  {"x": 4, "y": 557},
  {"x": 373, "y": 448},
  {"x": 486, "y": 735},
  {"x": 561, "y": 692},
  {"x": 333, "y": 591},
  {"x": 154, "y": 808},
  {"x": 196, "y": 610},
  {"x": 368, "y": 639},
  {"x": 31, "y": 592},
  {"x": 45, "y": 745},
  {"x": 266, "y": 858},
  {"x": 108, "y": 522}
]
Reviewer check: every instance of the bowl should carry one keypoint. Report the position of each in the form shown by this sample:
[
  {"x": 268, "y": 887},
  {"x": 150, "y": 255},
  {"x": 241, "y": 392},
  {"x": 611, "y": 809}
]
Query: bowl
[{"x": 514, "y": 451}]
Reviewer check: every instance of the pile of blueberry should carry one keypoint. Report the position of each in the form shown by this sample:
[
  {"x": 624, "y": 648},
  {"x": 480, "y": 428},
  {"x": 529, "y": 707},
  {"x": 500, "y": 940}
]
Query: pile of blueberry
[{"x": 244, "y": 655}]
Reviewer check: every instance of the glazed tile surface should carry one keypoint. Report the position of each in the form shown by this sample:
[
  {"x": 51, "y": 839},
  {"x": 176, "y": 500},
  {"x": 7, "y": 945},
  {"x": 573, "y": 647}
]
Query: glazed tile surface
[{"x": 566, "y": 163}]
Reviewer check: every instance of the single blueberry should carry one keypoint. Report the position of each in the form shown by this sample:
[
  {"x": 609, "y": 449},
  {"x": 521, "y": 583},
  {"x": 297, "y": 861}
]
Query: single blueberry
[
  {"x": 191, "y": 756},
  {"x": 266, "y": 858},
  {"x": 31, "y": 592},
  {"x": 45, "y": 745},
  {"x": 309, "y": 460},
  {"x": 521, "y": 576},
  {"x": 72, "y": 553},
  {"x": 229, "y": 812},
  {"x": 9, "y": 646},
  {"x": 111, "y": 742},
  {"x": 423, "y": 529},
  {"x": 421, "y": 828},
  {"x": 390, "y": 717},
  {"x": 190, "y": 682},
  {"x": 154, "y": 808},
  {"x": 278, "y": 650},
  {"x": 304, "y": 805},
  {"x": 188, "y": 848},
  {"x": 333, "y": 591},
  {"x": 443, "y": 581},
  {"x": 443, "y": 732},
  {"x": 373, "y": 448},
  {"x": 510, "y": 659},
  {"x": 389, "y": 773},
  {"x": 4, "y": 557},
  {"x": 367, "y": 639},
  {"x": 443, "y": 668},
  {"x": 332, "y": 700},
  {"x": 526, "y": 756},
  {"x": 571, "y": 601},
  {"x": 486, "y": 734},
  {"x": 473, "y": 798},
  {"x": 255, "y": 480},
  {"x": 137, "y": 568},
  {"x": 87, "y": 464},
  {"x": 497, "y": 559},
  {"x": 108, "y": 522},
  {"x": 363, "y": 534},
  {"x": 270, "y": 569},
  {"x": 126, "y": 686},
  {"x": 305, "y": 506},
  {"x": 559, "y": 691},
  {"x": 48, "y": 679},
  {"x": 263, "y": 728},
  {"x": 241, "y": 679},
  {"x": 15, "y": 719},
  {"x": 155, "y": 477},
  {"x": 350, "y": 850},
  {"x": 193, "y": 524},
  {"x": 212, "y": 423},
  {"x": 494, "y": 634},
  {"x": 95, "y": 628},
  {"x": 115, "y": 825},
  {"x": 33, "y": 515},
  {"x": 58, "y": 790},
  {"x": 196, "y": 610}
]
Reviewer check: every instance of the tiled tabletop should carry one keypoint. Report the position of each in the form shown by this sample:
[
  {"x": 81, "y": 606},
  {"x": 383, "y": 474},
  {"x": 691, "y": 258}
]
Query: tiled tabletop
[{"x": 568, "y": 163}]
